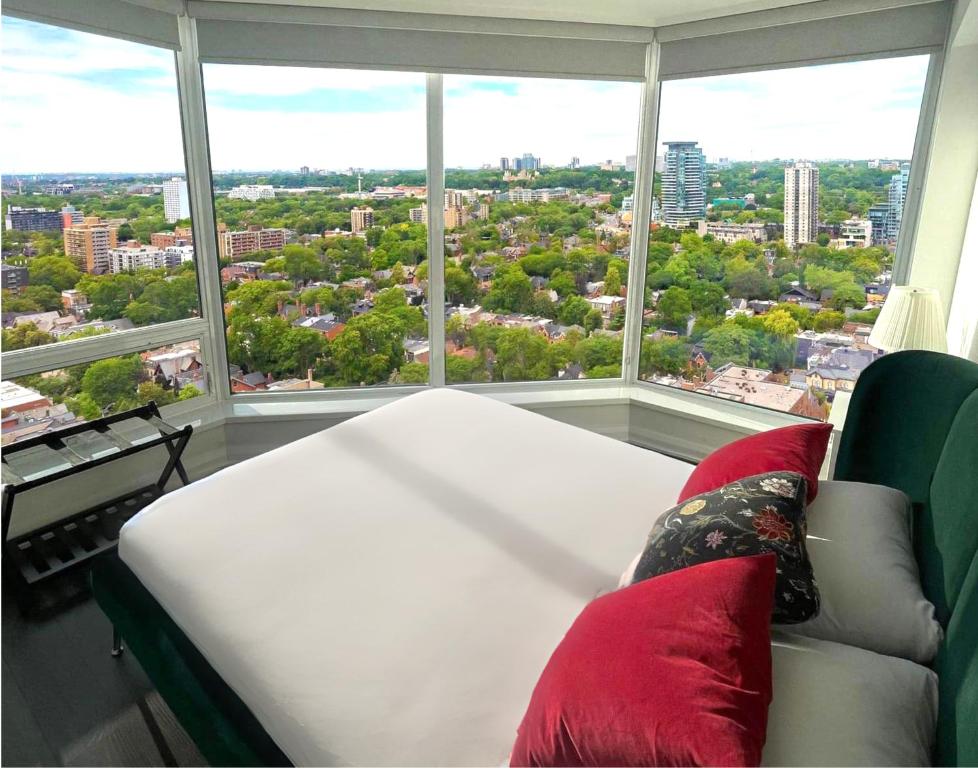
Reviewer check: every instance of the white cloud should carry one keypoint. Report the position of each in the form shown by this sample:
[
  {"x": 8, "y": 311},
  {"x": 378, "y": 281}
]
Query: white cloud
[
  {"x": 78, "y": 102},
  {"x": 853, "y": 110},
  {"x": 552, "y": 119}
]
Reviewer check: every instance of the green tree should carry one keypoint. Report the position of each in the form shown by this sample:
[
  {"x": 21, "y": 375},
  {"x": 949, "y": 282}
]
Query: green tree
[
  {"x": 25, "y": 335},
  {"x": 113, "y": 382},
  {"x": 674, "y": 307},
  {"x": 605, "y": 372},
  {"x": 412, "y": 373},
  {"x": 511, "y": 291},
  {"x": 46, "y": 298},
  {"x": 593, "y": 320},
  {"x": 574, "y": 310},
  {"x": 369, "y": 349},
  {"x": 301, "y": 264},
  {"x": 521, "y": 355},
  {"x": 827, "y": 320},
  {"x": 188, "y": 392},
  {"x": 664, "y": 356},
  {"x": 150, "y": 391},
  {"x": 612, "y": 281},
  {"x": 780, "y": 323},
  {"x": 58, "y": 272},
  {"x": 848, "y": 295},
  {"x": 728, "y": 343}
]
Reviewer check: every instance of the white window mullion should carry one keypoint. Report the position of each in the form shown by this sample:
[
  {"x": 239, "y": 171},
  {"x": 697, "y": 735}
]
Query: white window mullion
[
  {"x": 641, "y": 214},
  {"x": 436, "y": 231},
  {"x": 194, "y": 125},
  {"x": 907, "y": 240}
]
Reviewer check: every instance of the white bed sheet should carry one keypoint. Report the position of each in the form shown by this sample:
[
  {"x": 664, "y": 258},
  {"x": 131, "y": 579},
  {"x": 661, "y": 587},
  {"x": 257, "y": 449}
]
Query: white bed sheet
[{"x": 372, "y": 609}]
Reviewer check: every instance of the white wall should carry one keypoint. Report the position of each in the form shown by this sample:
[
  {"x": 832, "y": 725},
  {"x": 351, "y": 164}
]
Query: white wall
[{"x": 962, "y": 326}]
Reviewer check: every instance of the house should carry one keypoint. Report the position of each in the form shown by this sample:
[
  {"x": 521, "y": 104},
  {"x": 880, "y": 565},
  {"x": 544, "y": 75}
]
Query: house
[
  {"x": 417, "y": 350},
  {"x": 249, "y": 382},
  {"x": 607, "y": 305},
  {"x": 798, "y": 294},
  {"x": 327, "y": 324}
]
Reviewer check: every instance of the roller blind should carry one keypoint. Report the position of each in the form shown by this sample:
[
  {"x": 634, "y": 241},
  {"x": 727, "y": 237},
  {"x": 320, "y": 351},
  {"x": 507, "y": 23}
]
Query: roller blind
[
  {"x": 113, "y": 18},
  {"x": 899, "y": 31},
  {"x": 424, "y": 50}
]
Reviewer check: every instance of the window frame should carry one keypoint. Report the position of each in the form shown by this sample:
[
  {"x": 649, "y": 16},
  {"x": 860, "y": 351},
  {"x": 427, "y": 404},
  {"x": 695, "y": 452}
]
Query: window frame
[
  {"x": 209, "y": 328},
  {"x": 905, "y": 248}
]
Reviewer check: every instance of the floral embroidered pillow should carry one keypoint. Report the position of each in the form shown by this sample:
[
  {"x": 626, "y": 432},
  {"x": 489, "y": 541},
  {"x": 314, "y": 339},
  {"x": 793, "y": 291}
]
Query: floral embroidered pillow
[{"x": 755, "y": 515}]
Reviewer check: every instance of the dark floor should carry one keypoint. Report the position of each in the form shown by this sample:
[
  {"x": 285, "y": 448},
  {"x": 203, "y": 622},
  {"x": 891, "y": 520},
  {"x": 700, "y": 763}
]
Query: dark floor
[{"x": 67, "y": 701}]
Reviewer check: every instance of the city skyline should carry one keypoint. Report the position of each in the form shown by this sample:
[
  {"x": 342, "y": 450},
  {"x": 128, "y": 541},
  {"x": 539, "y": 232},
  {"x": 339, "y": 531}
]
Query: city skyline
[{"x": 342, "y": 118}]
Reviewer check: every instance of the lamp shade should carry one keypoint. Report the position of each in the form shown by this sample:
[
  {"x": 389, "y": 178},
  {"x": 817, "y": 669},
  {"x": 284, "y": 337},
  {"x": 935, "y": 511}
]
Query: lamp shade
[{"x": 911, "y": 318}]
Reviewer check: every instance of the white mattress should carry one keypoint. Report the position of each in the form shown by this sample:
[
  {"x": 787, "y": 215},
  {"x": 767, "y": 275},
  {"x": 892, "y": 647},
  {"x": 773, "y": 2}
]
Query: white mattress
[{"x": 388, "y": 591}]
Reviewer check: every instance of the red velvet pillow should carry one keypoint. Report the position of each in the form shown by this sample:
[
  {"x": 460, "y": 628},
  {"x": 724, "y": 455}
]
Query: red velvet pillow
[
  {"x": 675, "y": 670},
  {"x": 798, "y": 449}
]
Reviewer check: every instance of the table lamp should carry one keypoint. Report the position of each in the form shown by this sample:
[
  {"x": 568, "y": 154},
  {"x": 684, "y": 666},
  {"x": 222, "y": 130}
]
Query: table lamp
[{"x": 911, "y": 318}]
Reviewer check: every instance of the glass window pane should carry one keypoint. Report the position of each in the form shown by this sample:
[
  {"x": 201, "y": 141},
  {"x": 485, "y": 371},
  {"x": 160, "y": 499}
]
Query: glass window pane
[
  {"x": 97, "y": 232},
  {"x": 775, "y": 221},
  {"x": 46, "y": 402},
  {"x": 318, "y": 175},
  {"x": 539, "y": 180}
]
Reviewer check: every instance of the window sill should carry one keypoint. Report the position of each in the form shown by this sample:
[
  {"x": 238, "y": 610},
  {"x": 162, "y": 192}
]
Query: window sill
[{"x": 683, "y": 424}]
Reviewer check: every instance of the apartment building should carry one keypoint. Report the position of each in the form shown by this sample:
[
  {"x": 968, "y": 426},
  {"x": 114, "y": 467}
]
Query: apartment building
[
  {"x": 361, "y": 219},
  {"x": 89, "y": 242},
  {"x": 683, "y": 184},
  {"x": 800, "y": 204},
  {"x": 235, "y": 245}
]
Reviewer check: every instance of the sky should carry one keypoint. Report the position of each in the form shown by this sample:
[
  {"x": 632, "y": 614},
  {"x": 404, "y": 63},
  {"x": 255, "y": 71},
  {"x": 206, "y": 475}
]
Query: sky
[{"x": 74, "y": 102}]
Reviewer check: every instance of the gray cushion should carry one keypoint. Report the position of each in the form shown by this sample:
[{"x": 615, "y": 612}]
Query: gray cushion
[
  {"x": 860, "y": 548},
  {"x": 839, "y": 705}
]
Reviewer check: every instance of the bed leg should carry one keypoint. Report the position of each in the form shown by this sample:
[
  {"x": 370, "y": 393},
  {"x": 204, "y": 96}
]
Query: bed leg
[{"x": 117, "y": 647}]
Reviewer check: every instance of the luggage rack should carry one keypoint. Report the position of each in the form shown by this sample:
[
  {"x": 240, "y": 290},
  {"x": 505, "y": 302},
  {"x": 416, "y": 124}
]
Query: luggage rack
[{"x": 79, "y": 537}]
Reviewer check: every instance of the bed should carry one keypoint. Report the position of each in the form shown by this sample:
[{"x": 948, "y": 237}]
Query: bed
[{"x": 338, "y": 600}]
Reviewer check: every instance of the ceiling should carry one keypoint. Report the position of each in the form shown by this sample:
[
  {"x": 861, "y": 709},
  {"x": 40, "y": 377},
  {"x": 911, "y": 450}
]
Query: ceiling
[{"x": 650, "y": 13}]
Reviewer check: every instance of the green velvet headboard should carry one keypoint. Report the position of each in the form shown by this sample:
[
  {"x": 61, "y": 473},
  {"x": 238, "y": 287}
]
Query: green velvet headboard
[{"x": 913, "y": 424}]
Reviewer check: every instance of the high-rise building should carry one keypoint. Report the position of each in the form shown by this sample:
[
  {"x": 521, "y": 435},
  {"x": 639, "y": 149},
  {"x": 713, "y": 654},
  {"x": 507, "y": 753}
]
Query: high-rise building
[
  {"x": 361, "y": 219},
  {"x": 504, "y": 163},
  {"x": 304, "y": 170},
  {"x": 878, "y": 216},
  {"x": 419, "y": 215},
  {"x": 516, "y": 164},
  {"x": 454, "y": 198},
  {"x": 683, "y": 184},
  {"x": 575, "y": 162},
  {"x": 530, "y": 163},
  {"x": 176, "y": 201},
  {"x": 32, "y": 219},
  {"x": 800, "y": 204},
  {"x": 88, "y": 244},
  {"x": 896, "y": 199},
  {"x": 631, "y": 163}
]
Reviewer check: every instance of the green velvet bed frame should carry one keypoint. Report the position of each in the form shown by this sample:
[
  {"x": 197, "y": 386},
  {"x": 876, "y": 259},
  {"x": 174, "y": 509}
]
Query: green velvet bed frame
[{"x": 912, "y": 425}]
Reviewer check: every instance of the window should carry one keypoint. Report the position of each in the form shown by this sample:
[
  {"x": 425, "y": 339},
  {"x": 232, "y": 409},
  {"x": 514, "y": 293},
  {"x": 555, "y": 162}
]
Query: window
[
  {"x": 48, "y": 401},
  {"x": 777, "y": 206},
  {"x": 318, "y": 176},
  {"x": 539, "y": 178},
  {"x": 97, "y": 233}
]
